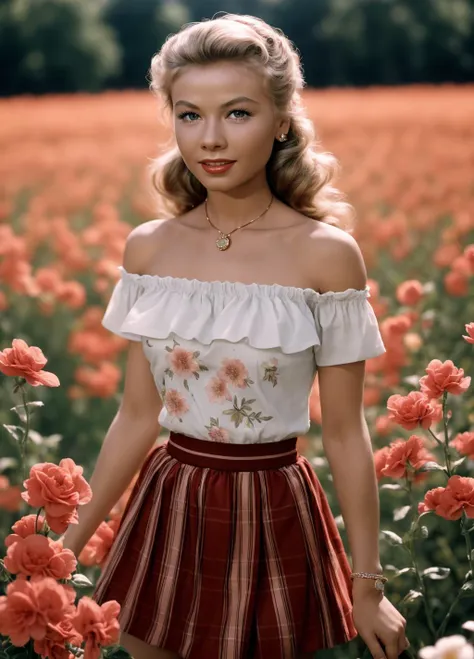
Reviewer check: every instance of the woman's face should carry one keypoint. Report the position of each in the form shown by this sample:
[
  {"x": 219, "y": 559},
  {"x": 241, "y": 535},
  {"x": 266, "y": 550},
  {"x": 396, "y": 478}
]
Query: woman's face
[{"x": 225, "y": 124}]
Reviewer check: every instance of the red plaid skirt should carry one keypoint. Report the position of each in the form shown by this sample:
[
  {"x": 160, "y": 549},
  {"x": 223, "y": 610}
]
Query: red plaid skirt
[{"x": 229, "y": 551}]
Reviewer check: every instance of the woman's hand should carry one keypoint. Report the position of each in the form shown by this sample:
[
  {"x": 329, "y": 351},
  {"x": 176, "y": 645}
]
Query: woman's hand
[{"x": 378, "y": 622}]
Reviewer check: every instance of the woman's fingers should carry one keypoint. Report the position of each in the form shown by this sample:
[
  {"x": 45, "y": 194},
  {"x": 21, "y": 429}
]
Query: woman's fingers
[{"x": 375, "y": 648}]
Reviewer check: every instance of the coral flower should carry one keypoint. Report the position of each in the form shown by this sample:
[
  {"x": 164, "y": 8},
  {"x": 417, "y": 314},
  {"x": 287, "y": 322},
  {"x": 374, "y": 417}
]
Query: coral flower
[
  {"x": 26, "y": 362},
  {"x": 217, "y": 390},
  {"x": 443, "y": 376},
  {"x": 10, "y": 495},
  {"x": 30, "y": 606},
  {"x": 405, "y": 454},
  {"x": 98, "y": 625},
  {"x": 410, "y": 292},
  {"x": 97, "y": 549},
  {"x": 175, "y": 403},
  {"x": 449, "y": 647},
  {"x": 450, "y": 501},
  {"x": 470, "y": 333},
  {"x": 22, "y": 528},
  {"x": 464, "y": 444},
  {"x": 38, "y": 555},
  {"x": 380, "y": 460},
  {"x": 183, "y": 361},
  {"x": 59, "y": 490},
  {"x": 53, "y": 645},
  {"x": 412, "y": 410}
]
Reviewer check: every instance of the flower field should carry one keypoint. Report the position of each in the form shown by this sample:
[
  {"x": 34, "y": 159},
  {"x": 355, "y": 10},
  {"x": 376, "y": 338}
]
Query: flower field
[{"x": 74, "y": 182}]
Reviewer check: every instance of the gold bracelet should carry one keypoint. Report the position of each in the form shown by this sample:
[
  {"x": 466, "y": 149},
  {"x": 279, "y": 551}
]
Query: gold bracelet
[{"x": 380, "y": 579}]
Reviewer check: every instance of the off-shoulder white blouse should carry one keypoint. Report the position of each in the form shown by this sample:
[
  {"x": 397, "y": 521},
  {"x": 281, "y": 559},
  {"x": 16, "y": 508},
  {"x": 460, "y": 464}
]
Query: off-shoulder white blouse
[{"x": 235, "y": 362}]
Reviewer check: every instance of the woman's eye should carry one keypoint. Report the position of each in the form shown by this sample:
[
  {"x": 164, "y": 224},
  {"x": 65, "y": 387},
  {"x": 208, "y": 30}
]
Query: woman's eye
[
  {"x": 188, "y": 116},
  {"x": 241, "y": 114}
]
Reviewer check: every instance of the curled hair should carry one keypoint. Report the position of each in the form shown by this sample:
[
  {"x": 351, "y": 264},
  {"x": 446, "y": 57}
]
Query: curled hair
[{"x": 298, "y": 173}]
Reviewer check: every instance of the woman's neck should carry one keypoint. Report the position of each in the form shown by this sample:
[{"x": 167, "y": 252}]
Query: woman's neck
[{"x": 230, "y": 210}]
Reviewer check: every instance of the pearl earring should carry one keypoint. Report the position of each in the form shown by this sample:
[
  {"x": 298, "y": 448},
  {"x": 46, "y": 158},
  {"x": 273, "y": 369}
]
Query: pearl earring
[{"x": 283, "y": 137}]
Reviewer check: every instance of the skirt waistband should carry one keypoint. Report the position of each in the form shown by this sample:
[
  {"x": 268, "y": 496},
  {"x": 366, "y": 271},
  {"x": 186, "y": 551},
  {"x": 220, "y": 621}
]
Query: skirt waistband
[{"x": 232, "y": 457}]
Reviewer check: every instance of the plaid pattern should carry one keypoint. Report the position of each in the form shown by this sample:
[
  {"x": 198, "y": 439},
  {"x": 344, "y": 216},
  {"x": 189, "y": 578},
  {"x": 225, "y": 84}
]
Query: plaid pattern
[{"x": 237, "y": 561}]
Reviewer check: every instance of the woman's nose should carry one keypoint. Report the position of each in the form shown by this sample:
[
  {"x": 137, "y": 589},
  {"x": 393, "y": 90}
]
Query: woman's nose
[{"x": 213, "y": 136}]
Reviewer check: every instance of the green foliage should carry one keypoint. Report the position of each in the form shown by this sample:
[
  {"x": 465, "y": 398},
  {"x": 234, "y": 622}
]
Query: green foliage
[{"x": 55, "y": 46}]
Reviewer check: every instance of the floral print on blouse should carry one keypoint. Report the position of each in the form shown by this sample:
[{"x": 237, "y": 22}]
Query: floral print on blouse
[{"x": 236, "y": 362}]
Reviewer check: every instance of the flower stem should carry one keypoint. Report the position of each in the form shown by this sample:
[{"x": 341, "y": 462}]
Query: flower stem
[
  {"x": 24, "y": 440},
  {"x": 411, "y": 550},
  {"x": 446, "y": 436},
  {"x": 442, "y": 627},
  {"x": 465, "y": 532}
]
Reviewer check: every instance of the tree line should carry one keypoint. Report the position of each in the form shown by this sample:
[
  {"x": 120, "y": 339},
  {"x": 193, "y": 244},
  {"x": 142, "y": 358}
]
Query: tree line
[{"x": 67, "y": 46}]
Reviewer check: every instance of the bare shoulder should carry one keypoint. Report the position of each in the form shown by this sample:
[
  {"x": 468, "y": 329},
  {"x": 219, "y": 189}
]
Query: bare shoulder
[
  {"x": 335, "y": 261},
  {"x": 142, "y": 243}
]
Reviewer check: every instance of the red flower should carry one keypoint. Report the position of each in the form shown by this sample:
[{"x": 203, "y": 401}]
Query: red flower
[
  {"x": 405, "y": 456},
  {"x": 30, "y": 606},
  {"x": 59, "y": 490},
  {"x": 412, "y": 410},
  {"x": 38, "y": 555},
  {"x": 464, "y": 444},
  {"x": 470, "y": 331},
  {"x": 409, "y": 292},
  {"x": 443, "y": 376},
  {"x": 27, "y": 525},
  {"x": 450, "y": 501},
  {"x": 26, "y": 362},
  {"x": 97, "y": 624},
  {"x": 380, "y": 460}
]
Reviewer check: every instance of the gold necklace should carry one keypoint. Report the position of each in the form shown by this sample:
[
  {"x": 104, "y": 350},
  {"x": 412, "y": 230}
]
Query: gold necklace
[{"x": 224, "y": 242}]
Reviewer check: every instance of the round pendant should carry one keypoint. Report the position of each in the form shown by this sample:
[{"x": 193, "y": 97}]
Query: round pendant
[{"x": 223, "y": 243}]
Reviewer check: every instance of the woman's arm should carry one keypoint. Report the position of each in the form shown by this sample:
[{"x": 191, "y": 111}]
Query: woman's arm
[
  {"x": 348, "y": 449},
  {"x": 347, "y": 446},
  {"x": 132, "y": 432}
]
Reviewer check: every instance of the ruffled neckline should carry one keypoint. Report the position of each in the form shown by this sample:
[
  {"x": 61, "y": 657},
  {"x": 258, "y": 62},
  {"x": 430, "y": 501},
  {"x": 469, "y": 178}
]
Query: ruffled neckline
[{"x": 189, "y": 286}]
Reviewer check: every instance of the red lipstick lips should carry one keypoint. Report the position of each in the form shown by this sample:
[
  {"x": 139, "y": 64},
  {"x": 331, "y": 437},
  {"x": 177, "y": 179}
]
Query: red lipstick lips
[{"x": 216, "y": 166}]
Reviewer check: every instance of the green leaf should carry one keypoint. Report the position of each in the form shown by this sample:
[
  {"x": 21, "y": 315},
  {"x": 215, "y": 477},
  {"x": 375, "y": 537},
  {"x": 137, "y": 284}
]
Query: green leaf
[
  {"x": 391, "y": 487},
  {"x": 251, "y": 401},
  {"x": 15, "y": 431},
  {"x": 467, "y": 589},
  {"x": 401, "y": 513},
  {"x": 6, "y": 463},
  {"x": 81, "y": 581},
  {"x": 168, "y": 349},
  {"x": 20, "y": 409},
  {"x": 411, "y": 596},
  {"x": 186, "y": 385},
  {"x": 456, "y": 463},
  {"x": 432, "y": 466},
  {"x": 424, "y": 531},
  {"x": 115, "y": 652},
  {"x": 437, "y": 573},
  {"x": 392, "y": 537},
  {"x": 403, "y": 570}
]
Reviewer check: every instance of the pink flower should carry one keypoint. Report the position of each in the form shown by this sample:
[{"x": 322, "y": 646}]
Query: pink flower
[
  {"x": 97, "y": 549},
  {"x": 182, "y": 361},
  {"x": 217, "y": 390},
  {"x": 59, "y": 490},
  {"x": 24, "y": 361},
  {"x": 405, "y": 454},
  {"x": 380, "y": 460},
  {"x": 98, "y": 625},
  {"x": 470, "y": 331},
  {"x": 409, "y": 292},
  {"x": 450, "y": 501},
  {"x": 443, "y": 376},
  {"x": 234, "y": 372},
  {"x": 464, "y": 444},
  {"x": 10, "y": 495},
  {"x": 53, "y": 645},
  {"x": 30, "y": 606},
  {"x": 218, "y": 434},
  {"x": 175, "y": 403},
  {"x": 38, "y": 555},
  {"x": 27, "y": 525},
  {"x": 412, "y": 410}
]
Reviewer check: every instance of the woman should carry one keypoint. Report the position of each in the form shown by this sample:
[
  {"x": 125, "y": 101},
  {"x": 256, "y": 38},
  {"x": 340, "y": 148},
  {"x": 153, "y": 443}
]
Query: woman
[{"x": 228, "y": 548}]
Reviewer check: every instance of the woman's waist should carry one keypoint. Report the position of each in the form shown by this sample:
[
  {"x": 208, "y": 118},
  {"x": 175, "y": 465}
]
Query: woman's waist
[{"x": 231, "y": 456}]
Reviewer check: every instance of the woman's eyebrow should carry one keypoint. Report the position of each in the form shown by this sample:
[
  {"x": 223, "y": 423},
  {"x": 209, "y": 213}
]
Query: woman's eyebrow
[{"x": 238, "y": 99}]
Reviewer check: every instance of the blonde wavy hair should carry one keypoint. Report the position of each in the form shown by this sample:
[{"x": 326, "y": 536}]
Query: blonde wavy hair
[{"x": 298, "y": 173}]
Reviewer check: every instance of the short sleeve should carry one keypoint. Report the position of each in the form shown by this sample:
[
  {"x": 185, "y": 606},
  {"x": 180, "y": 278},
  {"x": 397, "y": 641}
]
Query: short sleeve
[
  {"x": 124, "y": 296},
  {"x": 347, "y": 327}
]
